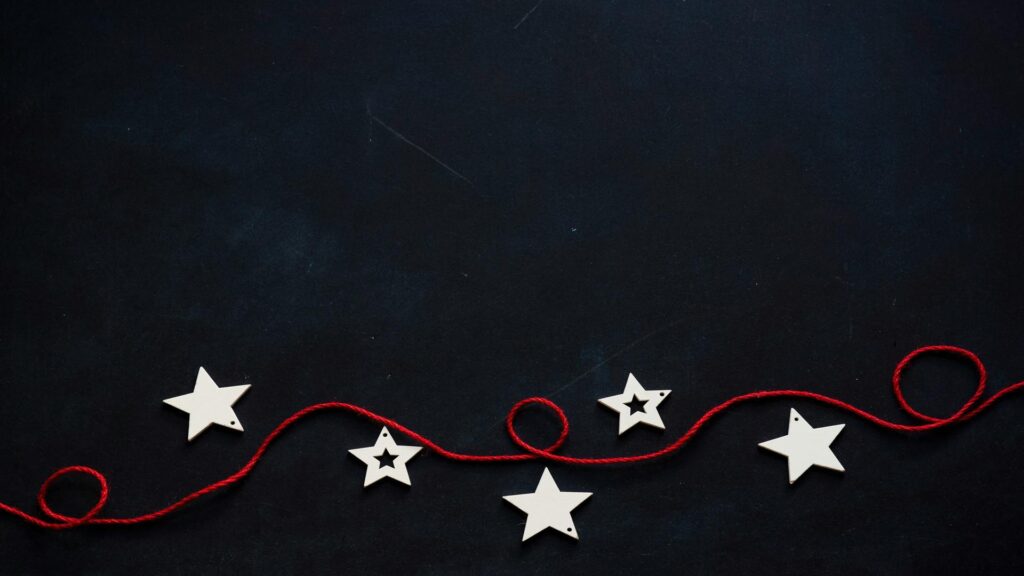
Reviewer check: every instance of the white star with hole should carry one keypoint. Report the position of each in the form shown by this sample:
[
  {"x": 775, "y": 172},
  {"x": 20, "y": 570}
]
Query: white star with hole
[
  {"x": 806, "y": 446},
  {"x": 548, "y": 507},
  {"x": 636, "y": 405},
  {"x": 386, "y": 459},
  {"x": 209, "y": 404}
]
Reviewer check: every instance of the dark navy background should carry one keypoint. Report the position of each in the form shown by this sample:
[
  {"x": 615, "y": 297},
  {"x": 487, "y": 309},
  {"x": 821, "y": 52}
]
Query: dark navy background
[{"x": 435, "y": 209}]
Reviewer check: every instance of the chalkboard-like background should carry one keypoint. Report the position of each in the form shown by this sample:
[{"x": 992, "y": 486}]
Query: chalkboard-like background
[{"x": 435, "y": 209}]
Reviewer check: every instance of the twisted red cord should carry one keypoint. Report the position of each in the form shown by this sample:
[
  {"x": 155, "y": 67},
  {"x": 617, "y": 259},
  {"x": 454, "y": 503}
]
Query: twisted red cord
[{"x": 59, "y": 521}]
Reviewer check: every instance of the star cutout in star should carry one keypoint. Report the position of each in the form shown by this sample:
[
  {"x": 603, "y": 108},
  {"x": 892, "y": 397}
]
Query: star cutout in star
[
  {"x": 806, "y": 446},
  {"x": 548, "y": 507},
  {"x": 386, "y": 459},
  {"x": 636, "y": 405},
  {"x": 209, "y": 404}
]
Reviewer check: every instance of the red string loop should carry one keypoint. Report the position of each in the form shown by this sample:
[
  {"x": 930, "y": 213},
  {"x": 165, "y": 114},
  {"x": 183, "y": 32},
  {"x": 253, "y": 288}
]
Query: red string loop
[
  {"x": 969, "y": 409},
  {"x": 63, "y": 520},
  {"x": 510, "y": 426},
  {"x": 951, "y": 350}
]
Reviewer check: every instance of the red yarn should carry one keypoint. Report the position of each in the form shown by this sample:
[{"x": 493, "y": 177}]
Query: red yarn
[{"x": 59, "y": 521}]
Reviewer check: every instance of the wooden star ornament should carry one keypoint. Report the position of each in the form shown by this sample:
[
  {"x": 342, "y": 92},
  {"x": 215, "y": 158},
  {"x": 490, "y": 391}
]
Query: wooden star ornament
[
  {"x": 806, "y": 446},
  {"x": 548, "y": 507},
  {"x": 209, "y": 404},
  {"x": 386, "y": 459},
  {"x": 636, "y": 405}
]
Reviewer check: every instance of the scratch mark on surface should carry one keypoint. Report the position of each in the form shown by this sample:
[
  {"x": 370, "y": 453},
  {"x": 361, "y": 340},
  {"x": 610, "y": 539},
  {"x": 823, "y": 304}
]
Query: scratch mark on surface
[
  {"x": 615, "y": 355},
  {"x": 527, "y": 15},
  {"x": 399, "y": 135},
  {"x": 369, "y": 115}
]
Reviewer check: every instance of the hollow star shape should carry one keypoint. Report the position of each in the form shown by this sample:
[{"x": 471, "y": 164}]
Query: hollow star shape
[
  {"x": 806, "y": 446},
  {"x": 396, "y": 470},
  {"x": 548, "y": 507},
  {"x": 209, "y": 404},
  {"x": 627, "y": 417}
]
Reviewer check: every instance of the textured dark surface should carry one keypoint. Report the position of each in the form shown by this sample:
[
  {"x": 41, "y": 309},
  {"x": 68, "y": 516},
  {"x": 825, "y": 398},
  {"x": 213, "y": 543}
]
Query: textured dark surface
[{"x": 435, "y": 209}]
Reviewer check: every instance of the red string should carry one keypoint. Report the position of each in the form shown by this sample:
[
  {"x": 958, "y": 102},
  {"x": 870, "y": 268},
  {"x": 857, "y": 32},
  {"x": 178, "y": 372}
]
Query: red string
[{"x": 59, "y": 521}]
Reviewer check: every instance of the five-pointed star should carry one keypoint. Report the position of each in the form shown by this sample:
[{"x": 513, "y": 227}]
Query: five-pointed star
[
  {"x": 806, "y": 446},
  {"x": 627, "y": 404},
  {"x": 209, "y": 404},
  {"x": 386, "y": 459},
  {"x": 548, "y": 507}
]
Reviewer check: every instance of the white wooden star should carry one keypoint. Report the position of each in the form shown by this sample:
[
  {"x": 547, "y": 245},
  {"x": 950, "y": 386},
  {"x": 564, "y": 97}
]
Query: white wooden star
[
  {"x": 209, "y": 404},
  {"x": 806, "y": 446},
  {"x": 548, "y": 507},
  {"x": 386, "y": 459},
  {"x": 636, "y": 405}
]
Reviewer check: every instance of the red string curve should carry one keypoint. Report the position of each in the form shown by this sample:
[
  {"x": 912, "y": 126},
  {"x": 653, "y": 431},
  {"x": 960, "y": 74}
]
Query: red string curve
[{"x": 57, "y": 521}]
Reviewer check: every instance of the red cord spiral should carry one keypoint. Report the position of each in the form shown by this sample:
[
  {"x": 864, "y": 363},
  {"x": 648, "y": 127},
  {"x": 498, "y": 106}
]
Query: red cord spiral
[{"x": 968, "y": 410}]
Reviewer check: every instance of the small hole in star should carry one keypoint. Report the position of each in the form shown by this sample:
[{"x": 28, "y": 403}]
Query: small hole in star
[
  {"x": 232, "y": 422},
  {"x": 569, "y": 529},
  {"x": 385, "y": 434},
  {"x": 796, "y": 419},
  {"x": 662, "y": 393}
]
